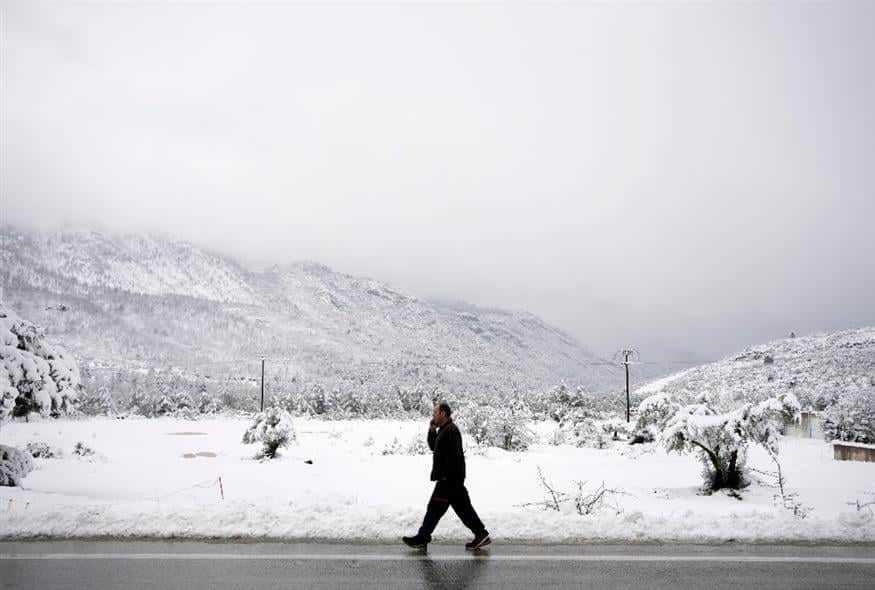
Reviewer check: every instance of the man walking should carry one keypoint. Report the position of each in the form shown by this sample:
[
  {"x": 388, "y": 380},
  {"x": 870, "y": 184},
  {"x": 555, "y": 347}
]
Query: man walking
[{"x": 448, "y": 471}]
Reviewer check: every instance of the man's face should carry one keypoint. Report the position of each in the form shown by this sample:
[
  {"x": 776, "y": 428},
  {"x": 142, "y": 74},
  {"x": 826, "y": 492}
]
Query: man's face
[{"x": 438, "y": 416}]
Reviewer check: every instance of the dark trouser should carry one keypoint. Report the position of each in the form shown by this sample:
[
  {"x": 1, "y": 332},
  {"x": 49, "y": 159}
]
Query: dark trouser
[{"x": 446, "y": 494}]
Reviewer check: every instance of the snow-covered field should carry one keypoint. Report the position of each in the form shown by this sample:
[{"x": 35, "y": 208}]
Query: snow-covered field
[{"x": 139, "y": 483}]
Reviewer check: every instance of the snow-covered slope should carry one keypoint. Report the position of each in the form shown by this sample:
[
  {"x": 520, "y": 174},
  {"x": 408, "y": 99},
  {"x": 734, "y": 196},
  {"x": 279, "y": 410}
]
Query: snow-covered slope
[
  {"x": 134, "y": 263},
  {"x": 817, "y": 369},
  {"x": 141, "y": 301}
]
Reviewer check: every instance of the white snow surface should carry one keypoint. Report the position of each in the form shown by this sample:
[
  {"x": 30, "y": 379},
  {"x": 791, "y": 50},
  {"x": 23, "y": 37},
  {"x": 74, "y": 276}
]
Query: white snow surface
[{"x": 139, "y": 484}]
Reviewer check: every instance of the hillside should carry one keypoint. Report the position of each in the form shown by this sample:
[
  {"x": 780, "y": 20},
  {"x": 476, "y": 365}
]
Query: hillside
[
  {"x": 817, "y": 369},
  {"x": 137, "y": 302}
]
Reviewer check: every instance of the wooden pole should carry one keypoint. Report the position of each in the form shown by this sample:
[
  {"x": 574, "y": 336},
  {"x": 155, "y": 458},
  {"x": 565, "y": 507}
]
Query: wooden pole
[
  {"x": 626, "y": 355},
  {"x": 262, "y": 385}
]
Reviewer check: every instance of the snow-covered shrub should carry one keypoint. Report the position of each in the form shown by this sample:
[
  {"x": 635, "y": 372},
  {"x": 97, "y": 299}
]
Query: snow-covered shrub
[
  {"x": 98, "y": 403},
  {"x": 721, "y": 439},
  {"x": 381, "y": 403},
  {"x": 425, "y": 405},
  {"x": 616, "y": 428},
  {"x": 586, "y": 499},
  {"x": 41, "y": 450},
  {"x": 851, "y": 417},
  {"x": 41, "y": 376},
  {"x": 562, "y": 402},
  {"x": 393, "y": 447},
  {"x": 414, "y": 401},
  {"x": 653, "y": 414},
  {"x": 165, "y": 406},
  {"x": 557, "y": 436},
  {"x": 141, "y": 404},
  {"x": 475, "y": 421},
  {"x": 82, "y": 450},
  {"x": 208, "y": 404},
  {"x": 176, "y": 404},
  {"x": 416, "y": 446},
  {"x": 184, "y": 403},
  {"x": 349, "y": 403},
  {"x": 15, "y": 464},
  {"x": 317, "y": 402},
  {"x": 273, "y": 429},
  {"x": 581, "y": 430},
  {"x": 505, "y": 426},
  {"x": 783, "y": 497},
  {"x": 7, "y": 401},
  {"x": 511, "y": 424}
]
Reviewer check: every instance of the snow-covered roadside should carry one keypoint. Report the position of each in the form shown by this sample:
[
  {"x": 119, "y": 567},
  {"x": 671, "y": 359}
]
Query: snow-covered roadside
[{"x": 140, "y": 485}]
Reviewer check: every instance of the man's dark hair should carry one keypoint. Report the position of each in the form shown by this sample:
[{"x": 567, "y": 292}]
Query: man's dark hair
[{"x": 445, "y": 408}]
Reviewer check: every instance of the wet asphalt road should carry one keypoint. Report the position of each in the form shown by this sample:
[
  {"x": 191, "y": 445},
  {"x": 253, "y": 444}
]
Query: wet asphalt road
[{"x": 194, "y": 565}]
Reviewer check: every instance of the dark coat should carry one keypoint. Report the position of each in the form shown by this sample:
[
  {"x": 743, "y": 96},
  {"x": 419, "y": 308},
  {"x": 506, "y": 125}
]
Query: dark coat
[{"x": 448, "y": 458}]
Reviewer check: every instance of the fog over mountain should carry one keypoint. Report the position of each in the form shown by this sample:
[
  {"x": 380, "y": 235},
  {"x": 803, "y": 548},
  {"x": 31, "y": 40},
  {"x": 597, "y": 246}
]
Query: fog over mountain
[
  {"x": 684, "y": 179},
  {"x": 136, "y": 302}
]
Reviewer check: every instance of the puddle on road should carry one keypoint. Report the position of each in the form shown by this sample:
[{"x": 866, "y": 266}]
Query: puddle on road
[{"x": 198, "y": 454}]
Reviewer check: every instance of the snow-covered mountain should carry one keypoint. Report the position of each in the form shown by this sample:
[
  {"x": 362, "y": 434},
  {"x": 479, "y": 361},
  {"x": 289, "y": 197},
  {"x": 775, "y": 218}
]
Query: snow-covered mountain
[
  {"x": 818, "y": 369},
  {"x": 141, "y": 301}
]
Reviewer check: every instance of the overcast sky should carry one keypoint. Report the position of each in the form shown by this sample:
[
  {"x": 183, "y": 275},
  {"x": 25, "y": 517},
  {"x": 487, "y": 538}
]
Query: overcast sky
[{"x": 683, "y": 179}]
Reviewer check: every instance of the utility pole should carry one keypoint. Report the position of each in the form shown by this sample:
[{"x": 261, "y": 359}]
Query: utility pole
[
  {"x": 626, "y": 355},
  {"x": 262, "y": 384}
]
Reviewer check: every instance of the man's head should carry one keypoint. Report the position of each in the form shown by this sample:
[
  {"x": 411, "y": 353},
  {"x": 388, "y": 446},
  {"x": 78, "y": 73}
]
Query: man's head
[{"x": 441, "y": 414}]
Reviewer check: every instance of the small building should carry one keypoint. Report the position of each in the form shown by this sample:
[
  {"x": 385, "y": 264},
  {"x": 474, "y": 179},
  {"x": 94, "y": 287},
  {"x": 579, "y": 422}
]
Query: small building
[
  {"x": 808, "y": 426},
  {"x": 851, "y": 451}
]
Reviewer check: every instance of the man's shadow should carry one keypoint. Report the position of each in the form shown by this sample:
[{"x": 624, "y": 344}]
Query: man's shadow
[{"x": 452, "y": 573}]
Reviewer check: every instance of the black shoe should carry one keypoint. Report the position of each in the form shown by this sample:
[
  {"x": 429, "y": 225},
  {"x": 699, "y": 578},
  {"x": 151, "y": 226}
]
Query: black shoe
[
  {"x": 416, "y": 541},
  {"x": 480, "y": 540}
]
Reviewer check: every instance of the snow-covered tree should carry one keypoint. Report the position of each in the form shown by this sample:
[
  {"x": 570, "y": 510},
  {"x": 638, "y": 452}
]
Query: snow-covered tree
[
  {"x": 317, "y": 402},
  {"x": 273, "y": 429},
  {"x": 184, "y": 405},
  {"x": 721, "y": 439},
  {"x": 165, "y": 406},
  {"x": 426, "y": 404},
  {"x": 512, "y": 431},
  {"x": 851, "y": 417},
  {"x": 475, "y": 421},
  {"x": 140, "y": 403},
  {"x": 653, "y": 414},
  {"x": 43, "y": 377},
  {"x": 7, "y": 401},
  {"x": 97, "y": 403},
  {"x": 505, "y": 425},
  {"x": 349, "y": 403},
  {"x": 410, "y": 398},
  {"x": 183, "y": 401},
  {"x": 208, "y": 404}
]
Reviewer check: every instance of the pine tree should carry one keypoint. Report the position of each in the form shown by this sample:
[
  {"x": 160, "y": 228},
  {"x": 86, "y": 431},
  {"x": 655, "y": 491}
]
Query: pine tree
[
  {"x": 273, "y": 429},
  {"x": 100, "y": 403}
]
